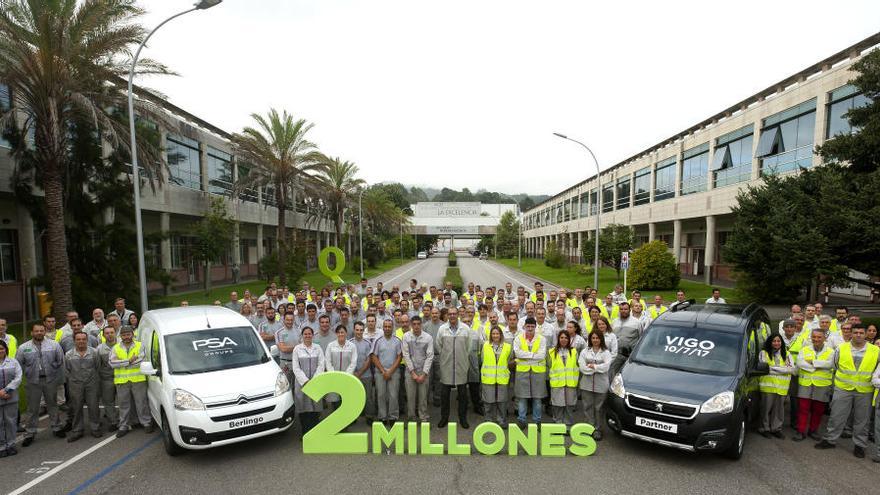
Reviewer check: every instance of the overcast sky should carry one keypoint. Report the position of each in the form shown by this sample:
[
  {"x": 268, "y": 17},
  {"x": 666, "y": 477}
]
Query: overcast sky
[{"x": 467, "y": 93}]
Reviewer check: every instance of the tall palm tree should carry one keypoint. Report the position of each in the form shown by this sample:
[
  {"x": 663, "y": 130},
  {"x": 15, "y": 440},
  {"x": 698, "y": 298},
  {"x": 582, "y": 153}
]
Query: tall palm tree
[
  {"x": 277, "y": 154},
  {"x": 64, "y": 61},
  {"x": 338, "y": 186}
]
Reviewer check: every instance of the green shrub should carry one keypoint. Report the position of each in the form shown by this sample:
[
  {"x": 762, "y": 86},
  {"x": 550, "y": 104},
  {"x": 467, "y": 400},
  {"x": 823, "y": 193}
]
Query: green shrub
[
  {"x": 553, "y": 257},
  {"x": 453, "y": 274},
  {"x": 653, "y": 267},
  {"x": 585, "y": 270},
  {"x": 453, "y": 259}
]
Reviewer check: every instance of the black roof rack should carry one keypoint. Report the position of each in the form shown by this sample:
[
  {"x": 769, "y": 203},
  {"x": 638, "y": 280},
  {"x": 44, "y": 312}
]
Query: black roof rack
[{"x": 684, "y": 305}]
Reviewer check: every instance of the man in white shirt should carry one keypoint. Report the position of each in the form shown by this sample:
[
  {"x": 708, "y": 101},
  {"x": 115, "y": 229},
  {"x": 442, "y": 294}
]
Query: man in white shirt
[{"x": 716, "y": 298}]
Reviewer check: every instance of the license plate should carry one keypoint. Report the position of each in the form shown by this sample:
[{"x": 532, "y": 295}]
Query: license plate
[
  {"x": 245, "y": 422},
  {"x": 656, "y": 425}
]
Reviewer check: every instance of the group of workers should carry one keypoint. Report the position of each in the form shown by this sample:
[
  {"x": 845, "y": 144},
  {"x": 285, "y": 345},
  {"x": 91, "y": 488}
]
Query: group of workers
[
  {"x": 817, "y": 361},
  {"x": 88, "y": 369},
  {"x": 505, "y": 352}
]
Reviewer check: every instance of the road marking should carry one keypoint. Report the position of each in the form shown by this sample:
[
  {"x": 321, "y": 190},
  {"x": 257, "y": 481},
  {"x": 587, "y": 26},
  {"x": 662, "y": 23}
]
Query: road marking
[
  {"x": 60, "y": 467},
  {"x": 114, "y": 466},
  {"x": 415, "y": 265},
  {"x": 491, "y": 265}
]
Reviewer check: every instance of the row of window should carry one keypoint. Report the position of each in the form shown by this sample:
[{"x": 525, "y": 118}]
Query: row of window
[{"x": 785, "y": 143}]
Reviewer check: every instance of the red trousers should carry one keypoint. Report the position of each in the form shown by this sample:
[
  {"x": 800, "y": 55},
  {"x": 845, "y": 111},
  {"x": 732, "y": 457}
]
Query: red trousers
[{"x": 812, "y": 409}]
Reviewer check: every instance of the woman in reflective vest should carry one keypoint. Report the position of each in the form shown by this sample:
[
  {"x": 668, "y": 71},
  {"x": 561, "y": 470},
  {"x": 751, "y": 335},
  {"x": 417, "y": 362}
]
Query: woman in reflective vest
[
  {"x": 815, "y": 369},
  {"x": 594, "y": 363},
  {"x": 307, "y": 363},
  {"x": 562, "y": 360},
  {"x": 341, "y": 355},
  {"x": 774, "y": 386},
  {"x": 495, "y": 376}
]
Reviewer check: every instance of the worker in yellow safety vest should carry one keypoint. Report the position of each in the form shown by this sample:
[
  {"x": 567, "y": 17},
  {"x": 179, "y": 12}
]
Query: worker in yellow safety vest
[
  {"x": 775, "y": 385},
  {"x": 563, "y": 379},
  {"x": 131, "y": 385},
  {"x": 495, "y": 376},
  {"x": 855, "y": 362},
  {"x": 815, "y": 369},
  {"x": 530, "y": 349},
  {"x": 657, "y": 308}
]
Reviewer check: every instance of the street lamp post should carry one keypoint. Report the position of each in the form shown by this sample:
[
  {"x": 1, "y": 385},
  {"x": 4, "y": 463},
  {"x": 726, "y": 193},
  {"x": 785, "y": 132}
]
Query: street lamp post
[
  {"x": 135, "y": 173},
  {"x": 361, "y": 229},
  {"x": 598, "y": 208},
  {"x": 519, "y": 243}
]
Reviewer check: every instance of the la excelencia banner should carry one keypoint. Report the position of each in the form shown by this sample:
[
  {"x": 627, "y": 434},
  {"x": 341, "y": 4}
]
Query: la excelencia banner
[{"x": 414, "y": 439}]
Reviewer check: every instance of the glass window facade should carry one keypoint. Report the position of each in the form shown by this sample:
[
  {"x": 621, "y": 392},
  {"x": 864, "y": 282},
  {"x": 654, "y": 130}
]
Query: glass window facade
[
  {"x": 566, "y": 215},
  {"x": 623, "y": 192},
  {"x": 8, "y": 252},
  {"x": 585, "y": 204},
  {"x": 182, "y": 250},
  {"x": 842, "y": 100},
  {"x": 594, "y": 201},
  {"x": 246, "y": 194},
  {"x": 786, "y": 142},
  {"x": 608, "y": 198},
  {"x": 642, "y": 186},
  {"x": 558, "y": 214},
  {"x": 5, "y": 104},
  {"x": 219, "y": 171},
  {"x": 664, "y": 179},
  {"x": 694, "y": 169},
  {"x": 732, "y": 160},
  {"x": 183, "y": 162}
]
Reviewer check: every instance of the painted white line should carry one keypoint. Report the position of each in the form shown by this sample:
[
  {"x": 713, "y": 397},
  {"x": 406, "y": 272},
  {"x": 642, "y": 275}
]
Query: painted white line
[
  {"x": 60, "y": 467},
  {"x": 416, "y": 264},
  {"x": 527, "y": 285}
]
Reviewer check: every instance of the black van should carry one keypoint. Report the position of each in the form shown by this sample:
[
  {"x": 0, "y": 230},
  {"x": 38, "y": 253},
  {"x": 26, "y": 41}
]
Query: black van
[{"x": 691, "y": 381}]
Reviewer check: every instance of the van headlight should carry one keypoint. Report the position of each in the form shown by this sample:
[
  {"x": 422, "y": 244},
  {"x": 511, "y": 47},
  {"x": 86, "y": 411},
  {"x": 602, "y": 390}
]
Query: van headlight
[
  {"x": 617, "y": 386},
  {"x": 721, "y": 403},
  {"x": 185, "y": 401},
  {"x": 282, "y": 384}
]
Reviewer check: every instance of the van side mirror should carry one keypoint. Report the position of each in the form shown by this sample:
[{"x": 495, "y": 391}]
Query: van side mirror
[
  {"x": 761, "y": 368},
  {"x": 273, "y": 351},
  {"x": 148, "y": 370}
]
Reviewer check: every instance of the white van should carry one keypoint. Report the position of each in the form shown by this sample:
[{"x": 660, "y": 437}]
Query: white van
[{"x": 211, "y": 380}]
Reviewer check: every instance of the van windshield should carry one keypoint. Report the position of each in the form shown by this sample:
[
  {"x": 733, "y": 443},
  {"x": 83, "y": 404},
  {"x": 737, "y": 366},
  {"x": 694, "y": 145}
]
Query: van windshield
[
  {"x": 690, "y": 349},
  {"x": 213, "y": 349}
]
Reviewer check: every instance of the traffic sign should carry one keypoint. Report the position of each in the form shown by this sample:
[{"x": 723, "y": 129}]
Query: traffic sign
[{"x": 624, "y": 260}]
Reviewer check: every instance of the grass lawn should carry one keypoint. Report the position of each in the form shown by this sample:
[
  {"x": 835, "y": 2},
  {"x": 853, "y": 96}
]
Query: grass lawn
[
  {"x": 315, "y": 278},
  {"x": 570, "y": 278}
]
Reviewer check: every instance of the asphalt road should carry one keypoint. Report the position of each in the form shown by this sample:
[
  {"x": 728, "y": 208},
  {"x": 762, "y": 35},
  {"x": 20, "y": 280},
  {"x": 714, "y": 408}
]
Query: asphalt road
[{"x": 138, "y": 464}]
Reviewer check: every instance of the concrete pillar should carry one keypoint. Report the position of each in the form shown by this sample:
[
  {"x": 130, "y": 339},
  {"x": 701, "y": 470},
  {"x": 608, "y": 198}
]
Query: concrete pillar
[
  {"x": 678, "y": 161},
  {"x": 317, "y": 243},
  {"x": 710, "y": 248},
  {"x": 756, "y": 162},
  {"x": 27, "y": 246},
  {"x": 572, "y": 254},
  {"x": 710, "y": 175},
  {"x": 236, "y": 250},
  {"x": 165, "y": 243},
  {"x": 259, "y": 242},
  {"x": 821, "y": 124},
  {"x": 203, "y": 165},
  {"x": 580, "y": 248},
  {"x": 676, "y": 240},
  {"x": 652, "y": 231}
]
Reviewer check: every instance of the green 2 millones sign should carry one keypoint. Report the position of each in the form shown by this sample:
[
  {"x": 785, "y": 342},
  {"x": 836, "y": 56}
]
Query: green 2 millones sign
[{"x": 414, "y": 439}]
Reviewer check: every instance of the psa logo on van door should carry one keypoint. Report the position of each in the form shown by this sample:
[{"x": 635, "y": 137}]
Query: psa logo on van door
[{"x": 213, "y": 343}]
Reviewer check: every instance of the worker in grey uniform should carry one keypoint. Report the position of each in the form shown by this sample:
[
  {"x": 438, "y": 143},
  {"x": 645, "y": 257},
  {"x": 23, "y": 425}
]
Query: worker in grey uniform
[
  {"x": 83, "y": 384},
  {"x": 628, "y": 331},
  {"x": 131, "y": 386},
  {"x": 105, "y": 374},
  {"x": 42, "y": 363},
  {"x": 363, "y": 368},
  {"x": 67, "y": 343},
  {"x": 286, "y": 338},
  {"x": 475, "y": 349},
  {"x": 386, "y": 355},
  {"x": 854, "y": 363},
  {"x": 530, "y": 349},
  {"x": 10, "y": 379},
  {"x": 431, "y": 324},
  {"x": 418, "y": 353},
  {"x": 451, "y": 348}
]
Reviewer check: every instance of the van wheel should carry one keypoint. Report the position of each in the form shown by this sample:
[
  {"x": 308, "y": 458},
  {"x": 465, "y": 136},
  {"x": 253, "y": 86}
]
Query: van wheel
[
  {"x": 735, "y": 451},
  {"x": 171, "y": 447}
]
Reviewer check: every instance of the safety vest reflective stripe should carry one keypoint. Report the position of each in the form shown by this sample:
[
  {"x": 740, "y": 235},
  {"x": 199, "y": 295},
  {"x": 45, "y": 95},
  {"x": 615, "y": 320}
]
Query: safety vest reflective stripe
[
  {"x": 128, "y": 373},
  {"x": 13, "y": 345},
  {"x": 850, "y": 378},
  {"x": 58, "y": 334},
  {"x": 656, "y": 312},
  {"x": 521, "y": 366},
  {"x": 774, "y": 384},
  {"x": 797, "y": 344},
  {"x": 571, "y": 303},
  {"x": 492, "y": 371},
  {"x": 820, "y": 377},
  {"x": 563, "y": 374}
]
